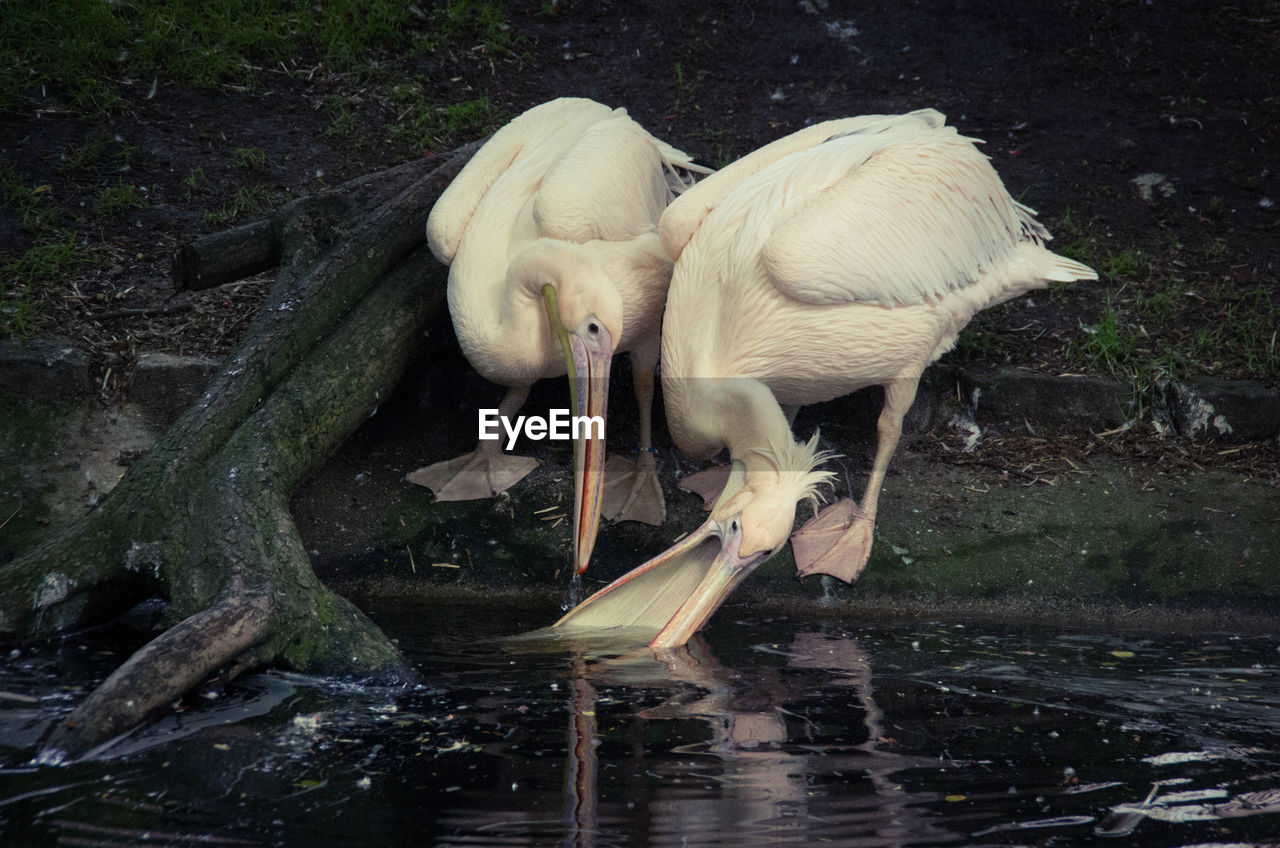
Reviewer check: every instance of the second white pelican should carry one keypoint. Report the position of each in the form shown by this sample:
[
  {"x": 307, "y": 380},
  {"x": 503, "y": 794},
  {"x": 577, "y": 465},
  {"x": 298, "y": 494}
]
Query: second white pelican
[{"x": 846, "y": 255}]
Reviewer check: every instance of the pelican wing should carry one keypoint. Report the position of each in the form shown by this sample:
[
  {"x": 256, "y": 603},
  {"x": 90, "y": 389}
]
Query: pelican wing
[
  {"x": 611, "y": 184},
  {"x": 533, "y": 140},
  {"x": 898, "y": 224},
  {"x": 685, "y": 215}
]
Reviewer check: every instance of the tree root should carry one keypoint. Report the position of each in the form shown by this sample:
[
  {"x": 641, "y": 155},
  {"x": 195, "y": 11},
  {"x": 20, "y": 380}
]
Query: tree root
[{"x": 203, "y": 517}]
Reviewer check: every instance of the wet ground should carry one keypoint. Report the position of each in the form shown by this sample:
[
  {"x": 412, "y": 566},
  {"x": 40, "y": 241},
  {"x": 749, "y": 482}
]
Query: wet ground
[{"x": 763, "y": 732}]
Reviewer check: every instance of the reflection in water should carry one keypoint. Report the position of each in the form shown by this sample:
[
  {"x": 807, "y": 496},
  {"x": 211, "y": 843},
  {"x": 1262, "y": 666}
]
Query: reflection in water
[
  {"x": 762, "y": 780},
  {"x": 580, "y": 767},
  {"x": 761, "y": 733}
]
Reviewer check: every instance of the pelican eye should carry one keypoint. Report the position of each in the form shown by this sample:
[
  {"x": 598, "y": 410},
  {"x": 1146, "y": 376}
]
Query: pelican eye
[
  {"x": 593, "y": 328},
  {"x": 733, "y": 526}
]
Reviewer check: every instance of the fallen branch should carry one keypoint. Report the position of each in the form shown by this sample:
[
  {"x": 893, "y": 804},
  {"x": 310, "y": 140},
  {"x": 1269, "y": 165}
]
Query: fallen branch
[{"x": 162, "y": 670}]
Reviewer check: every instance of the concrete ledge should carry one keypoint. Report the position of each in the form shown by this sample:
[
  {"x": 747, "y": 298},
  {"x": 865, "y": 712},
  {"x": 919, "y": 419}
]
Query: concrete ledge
[
  {"x": 164, "y": 385},
  {"x": 1015, "y": 398},
  {"x": 1210, "y": 408},
  {"x": 43, "y": 367}
]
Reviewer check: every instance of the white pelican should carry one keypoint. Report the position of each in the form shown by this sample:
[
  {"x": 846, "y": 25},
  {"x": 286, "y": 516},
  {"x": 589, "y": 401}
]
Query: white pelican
[
  {"x": 846, "y": 255},
  {"x": 550, "y": 234}
]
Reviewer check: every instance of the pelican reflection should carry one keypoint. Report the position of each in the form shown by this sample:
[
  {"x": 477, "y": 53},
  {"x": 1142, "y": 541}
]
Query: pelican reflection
[{"x": 762, "y": 769}]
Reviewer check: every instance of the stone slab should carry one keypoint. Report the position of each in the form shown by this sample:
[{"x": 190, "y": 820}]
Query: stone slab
[{"x": 46, "y": 367}]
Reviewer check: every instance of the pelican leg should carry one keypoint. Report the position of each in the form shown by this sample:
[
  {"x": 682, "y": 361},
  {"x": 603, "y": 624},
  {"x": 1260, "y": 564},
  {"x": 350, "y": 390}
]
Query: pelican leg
[
  {"x": 631, "y": 489},
  {"x": 483, "y": 473},
  {"x": 837, "y": 541}
]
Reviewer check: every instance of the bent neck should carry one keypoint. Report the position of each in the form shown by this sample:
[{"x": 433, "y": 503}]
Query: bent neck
[
  {"x": 560, "y": 263},
  {"x": 505, "y": 332},
  {"x": 738, "y": 413}
]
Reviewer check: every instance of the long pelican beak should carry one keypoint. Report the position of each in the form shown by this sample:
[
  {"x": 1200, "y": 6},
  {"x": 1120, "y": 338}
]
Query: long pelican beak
[
  {"x": 588, "y": 352},
  {"x": 726, "y": 571},
  {"x": 669, "y": 598}
]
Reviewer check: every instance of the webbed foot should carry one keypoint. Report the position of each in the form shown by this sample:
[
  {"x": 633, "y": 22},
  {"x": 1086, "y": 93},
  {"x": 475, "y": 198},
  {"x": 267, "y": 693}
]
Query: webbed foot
[
  {"x": 632, "y": 491},
  {"x": 837, "y": 541},
  {"x": 473, "y": 476},
  {"x": 707, "y": 484}
]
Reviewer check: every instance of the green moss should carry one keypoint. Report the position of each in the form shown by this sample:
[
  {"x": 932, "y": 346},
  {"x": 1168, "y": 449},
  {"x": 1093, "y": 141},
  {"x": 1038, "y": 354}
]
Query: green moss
[
  {"x": 946, "y": 538},
  {"x": 1093, "y": 539},
  {"x": 28, "y": 430}
]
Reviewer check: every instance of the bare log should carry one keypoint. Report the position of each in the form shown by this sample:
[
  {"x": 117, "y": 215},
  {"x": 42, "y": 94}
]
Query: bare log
[
  {"x": 227, "y": 256},
  {"x": 162, "y": 671},
  {"x": 230, "y": 255}
]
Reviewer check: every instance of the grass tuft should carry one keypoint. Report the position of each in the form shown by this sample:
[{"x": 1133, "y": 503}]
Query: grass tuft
[
  {"x": 115, "y": 200},
  {"x": 425, "y": 125},
  {"x": 1108, "y": 345},
  {"x": 43, "y": 263},
  {"x": 81, "y": 51},
  {"x": 247, "y": 202},
  {"x": 249, "y": 158},
  {"x": 23, "y": 279},
  {"x": 195, "y": 182}
]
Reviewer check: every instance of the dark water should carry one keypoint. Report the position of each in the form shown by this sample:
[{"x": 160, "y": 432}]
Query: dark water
[{"x": 763, "y": 733}]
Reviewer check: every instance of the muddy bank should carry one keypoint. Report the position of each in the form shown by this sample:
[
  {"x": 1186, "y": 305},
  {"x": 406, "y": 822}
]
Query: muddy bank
[
  {"x": 977, "y": 522},
  {"x": 1109, "y": 545}
]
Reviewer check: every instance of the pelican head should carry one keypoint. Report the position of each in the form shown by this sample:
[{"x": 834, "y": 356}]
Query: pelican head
[
  {"x": 673, "y": 595},
  {"x": 584, "y": 314}
]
